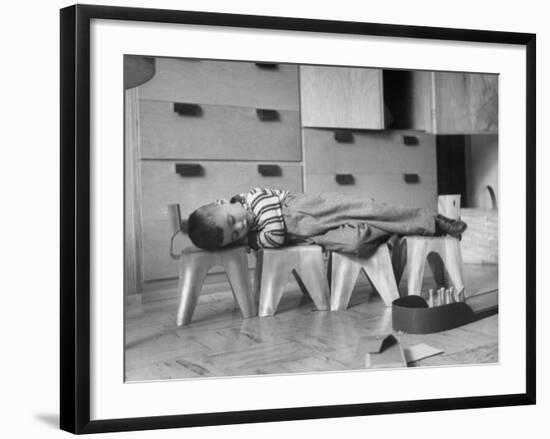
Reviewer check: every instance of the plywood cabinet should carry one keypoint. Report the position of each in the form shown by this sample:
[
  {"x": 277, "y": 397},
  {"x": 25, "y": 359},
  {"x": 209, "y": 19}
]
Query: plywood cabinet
[
  {"x": 442, "y": 102},
  {"x": 328, "y": 128},
  {"x": 341, "y": 97}
]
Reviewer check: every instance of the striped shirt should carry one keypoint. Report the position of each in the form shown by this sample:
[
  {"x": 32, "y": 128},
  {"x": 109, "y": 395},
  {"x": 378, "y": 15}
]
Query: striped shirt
[{"x": 268, "y": 228}]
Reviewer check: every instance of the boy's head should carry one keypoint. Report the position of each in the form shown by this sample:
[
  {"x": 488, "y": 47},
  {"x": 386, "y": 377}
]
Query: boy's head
[{"x": 218, "y": 224}]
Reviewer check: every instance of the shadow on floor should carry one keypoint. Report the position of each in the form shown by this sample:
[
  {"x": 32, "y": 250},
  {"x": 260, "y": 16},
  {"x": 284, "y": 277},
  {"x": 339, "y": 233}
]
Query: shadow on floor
[{"x": 50, "y": 419}]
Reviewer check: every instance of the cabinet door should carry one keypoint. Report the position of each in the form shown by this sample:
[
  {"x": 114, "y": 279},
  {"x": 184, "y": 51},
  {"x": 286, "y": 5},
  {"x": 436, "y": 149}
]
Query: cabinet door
[
  {"x": 465, "y": 103},
  {"x": 341, "y": 97}
]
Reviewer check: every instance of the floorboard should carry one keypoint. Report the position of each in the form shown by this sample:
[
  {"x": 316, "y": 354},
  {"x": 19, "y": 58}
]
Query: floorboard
[{"x": 298, "y": 339}]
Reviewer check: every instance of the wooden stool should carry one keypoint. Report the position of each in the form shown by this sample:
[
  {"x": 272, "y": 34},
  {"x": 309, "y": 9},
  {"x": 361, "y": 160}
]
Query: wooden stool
[
  {"x": 273, "y": 266},
  {"x": 194, "y": 265},
  {"x": 344, "y": 271},
  {"x": 412, "y": 252}
]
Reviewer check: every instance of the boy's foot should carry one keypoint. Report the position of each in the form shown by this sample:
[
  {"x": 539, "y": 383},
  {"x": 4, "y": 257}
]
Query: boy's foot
[{"x": 448, "y": 226}]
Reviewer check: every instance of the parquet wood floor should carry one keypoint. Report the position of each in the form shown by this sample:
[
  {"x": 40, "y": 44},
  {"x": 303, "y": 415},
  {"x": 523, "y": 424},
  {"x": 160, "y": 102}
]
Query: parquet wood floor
[{"x": 298, "y": 339}]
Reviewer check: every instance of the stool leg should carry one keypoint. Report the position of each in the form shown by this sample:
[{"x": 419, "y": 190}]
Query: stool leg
[
  {"x": 437, "y": 265},
  {"x": 313, "y": 277},
  {"x": 344, "y": 275},
  {"x": 192, "y": 276},
  {"x": 416, "y": 261},
  {"x": 273, "y": 281},
  {"x": 453, "y": 263},
  {"x": 399, "y": 259},
  {"x": 379, "y": 271},
  {"x": 257, "y": 286},
  {"x": 236, "y": 267}
]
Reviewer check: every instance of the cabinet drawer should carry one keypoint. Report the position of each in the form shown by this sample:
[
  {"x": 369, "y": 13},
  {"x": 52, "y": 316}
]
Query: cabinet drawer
[
  {"x": 218, "y": 132},
  {"x": 224, "y": 82},
  {"x": 388, "y": 188},
  {"x": 161, "y": 185},
  {"x": 369, "y": 152}
]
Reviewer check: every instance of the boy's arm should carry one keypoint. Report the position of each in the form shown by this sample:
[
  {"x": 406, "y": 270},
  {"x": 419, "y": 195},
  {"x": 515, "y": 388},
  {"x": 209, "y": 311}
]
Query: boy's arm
[
  {"x": 265, "y": 203},
  {"x": 266, "y": 239},
  {"x": 271, "y": 238}
]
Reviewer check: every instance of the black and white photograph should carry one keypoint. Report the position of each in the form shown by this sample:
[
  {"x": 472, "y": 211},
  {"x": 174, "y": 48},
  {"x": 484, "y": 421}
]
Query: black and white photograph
[
  {"x": 286, "y": 218},
  {"x": 275, "y": 219}
]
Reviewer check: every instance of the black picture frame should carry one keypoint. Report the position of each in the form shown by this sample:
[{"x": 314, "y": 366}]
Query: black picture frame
[{"x": 75, "y": 217}]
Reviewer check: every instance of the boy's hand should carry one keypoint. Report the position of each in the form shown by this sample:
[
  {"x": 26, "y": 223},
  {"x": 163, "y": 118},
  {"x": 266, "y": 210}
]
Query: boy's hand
[{"x": 253, "y": 240}]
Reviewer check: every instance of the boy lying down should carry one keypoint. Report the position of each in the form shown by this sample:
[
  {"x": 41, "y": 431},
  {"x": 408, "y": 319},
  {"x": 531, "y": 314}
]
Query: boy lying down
[{"x": 270, "y": 218}]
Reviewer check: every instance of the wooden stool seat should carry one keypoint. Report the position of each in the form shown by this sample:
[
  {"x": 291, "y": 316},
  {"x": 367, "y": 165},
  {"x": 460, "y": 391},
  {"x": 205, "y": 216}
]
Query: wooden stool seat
[
  {"x": 412, "y": 252},
  {"x": 273, "y": 267},
  {"x": 194, "y": 266},
  {"x": 345, "y": 269}
]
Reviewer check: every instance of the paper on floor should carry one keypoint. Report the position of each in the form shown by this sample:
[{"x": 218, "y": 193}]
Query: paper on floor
[{"x": 420, "y": 351}]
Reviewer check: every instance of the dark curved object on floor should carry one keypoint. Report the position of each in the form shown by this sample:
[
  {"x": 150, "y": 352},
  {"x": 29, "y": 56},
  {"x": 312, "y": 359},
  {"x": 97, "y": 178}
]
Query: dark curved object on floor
[{"x": 411, "y": 314}]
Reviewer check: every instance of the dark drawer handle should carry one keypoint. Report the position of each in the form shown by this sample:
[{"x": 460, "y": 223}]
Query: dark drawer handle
[
  {"x": 345, "y": 179},
  {"x": 189, "y": 169},
  {"x": 267, "y": 115},
  {"x": 267, "y": 66},
  {"x": 411, "y": 178},
  {"x": 410, "y": 140},
  {"x": 183, "y": 109},
  {"x": 270, "y": 170},
  {"x": 343, "y": 136}
]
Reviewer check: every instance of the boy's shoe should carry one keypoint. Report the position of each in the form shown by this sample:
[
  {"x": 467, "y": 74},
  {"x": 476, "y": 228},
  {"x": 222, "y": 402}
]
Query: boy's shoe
[{"x": 448, "y": 226}]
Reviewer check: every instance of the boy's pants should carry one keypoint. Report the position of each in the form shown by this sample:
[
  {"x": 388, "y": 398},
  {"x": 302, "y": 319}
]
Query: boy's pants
[{"x": 348, "y": 224}]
